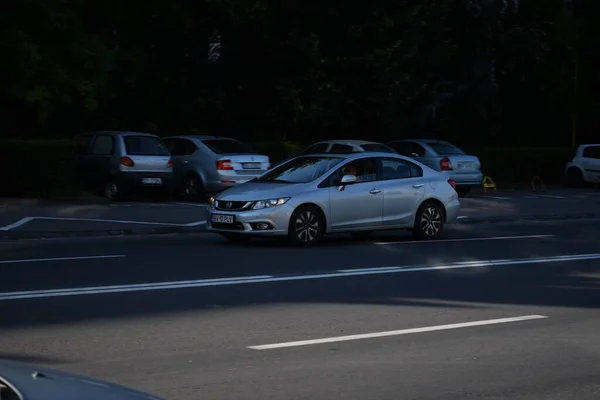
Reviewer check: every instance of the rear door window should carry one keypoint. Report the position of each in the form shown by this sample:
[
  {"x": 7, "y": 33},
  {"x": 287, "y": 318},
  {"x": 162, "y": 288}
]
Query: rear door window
[
  {"x": 341, "y": 149},
  {"x": 103, "y": 145},
  {"x": 592, "y": 152},
  {"x": 318, "y": 148},
  {"x": 144, "y": 146},
  {"x": 445, "y": 149},
  {"x": 220, "y": 146},
  {"x": 377, "y": 147}
]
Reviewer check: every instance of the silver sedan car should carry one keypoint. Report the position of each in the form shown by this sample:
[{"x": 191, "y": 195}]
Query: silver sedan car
[{"x": 312, "y": 195}]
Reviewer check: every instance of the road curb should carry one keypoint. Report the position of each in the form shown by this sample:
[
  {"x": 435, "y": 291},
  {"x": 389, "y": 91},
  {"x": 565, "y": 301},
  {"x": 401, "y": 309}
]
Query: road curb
[{"x": 196, "y": 230}]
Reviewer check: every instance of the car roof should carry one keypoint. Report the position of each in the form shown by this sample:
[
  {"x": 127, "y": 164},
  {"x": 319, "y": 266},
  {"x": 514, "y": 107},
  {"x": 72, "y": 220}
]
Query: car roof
[
  {"x": 354, "y": 156},
  {"x": 425, "y": 141},
  {"x": 22, "y": 378}
]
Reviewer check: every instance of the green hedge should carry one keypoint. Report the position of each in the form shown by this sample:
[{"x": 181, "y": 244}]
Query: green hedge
[{"x": 43, "y": 168}]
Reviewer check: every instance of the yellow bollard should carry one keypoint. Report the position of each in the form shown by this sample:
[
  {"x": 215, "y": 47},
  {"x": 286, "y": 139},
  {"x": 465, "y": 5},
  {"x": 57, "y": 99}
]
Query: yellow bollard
[
  {"x": 488, "y": 183},
  {"x": 541, "y": 182}
]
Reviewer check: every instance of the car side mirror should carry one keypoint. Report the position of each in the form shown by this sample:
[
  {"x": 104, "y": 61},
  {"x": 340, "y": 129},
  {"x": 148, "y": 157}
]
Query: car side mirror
[{"x": 346, "y": 180}]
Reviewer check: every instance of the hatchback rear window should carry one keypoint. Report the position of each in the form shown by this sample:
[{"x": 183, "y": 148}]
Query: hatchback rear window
[
  {"x": 219, "y": 146},
  {"x": 378, "y": 147},
  {"x": 445, "y": 149},
  {"x": 144, "y": 146}
]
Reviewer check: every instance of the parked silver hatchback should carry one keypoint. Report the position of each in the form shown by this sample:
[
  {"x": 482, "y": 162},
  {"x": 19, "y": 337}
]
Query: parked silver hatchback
[
  {"x": 209, "y": 164},
  {"x": 119, "y": 164},
  {"x": 359, "y": 193},
  {"x": 445, "y": 157}
]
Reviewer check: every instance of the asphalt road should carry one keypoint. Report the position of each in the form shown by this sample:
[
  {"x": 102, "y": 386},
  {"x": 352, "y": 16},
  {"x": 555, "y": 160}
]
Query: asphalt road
[
  {"x": 40, "y": 218},
  {"x": 498, "y": 311}
]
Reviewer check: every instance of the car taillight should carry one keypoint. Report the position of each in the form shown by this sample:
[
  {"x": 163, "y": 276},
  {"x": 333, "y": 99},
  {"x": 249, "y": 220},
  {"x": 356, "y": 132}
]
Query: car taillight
[
  {"x": 445, "y": 164},
  {"x": 224, "y": 165},
  {"x": 126, "y": 161},
  {"x": 170, "y": 163},
  {"x": 452, "y": 183}
]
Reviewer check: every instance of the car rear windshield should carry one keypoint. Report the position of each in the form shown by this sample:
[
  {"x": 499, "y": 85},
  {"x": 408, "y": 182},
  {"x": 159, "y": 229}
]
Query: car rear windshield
[
  {"x": 378, "y": 147},
  {"x": 300, "y": 170},
  {"x": 145, "y": 146},
  {"x": 445, "y": 149},
  {"x": 220, "y": 146}
]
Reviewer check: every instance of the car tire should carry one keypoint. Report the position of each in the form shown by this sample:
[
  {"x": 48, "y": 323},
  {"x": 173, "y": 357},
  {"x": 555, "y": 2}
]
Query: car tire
[
  {"x": 306, "y": 226},
  {"x": 463, "y": 191},
  {"x": 575, "y": 178},
  {"x": 362, "y": 234},
  {"x": 236, "y": 238},
  {"x": 112, "y": 191},
  {"x": 193, "y": 188},
  {"x": 429, "y": 221}
]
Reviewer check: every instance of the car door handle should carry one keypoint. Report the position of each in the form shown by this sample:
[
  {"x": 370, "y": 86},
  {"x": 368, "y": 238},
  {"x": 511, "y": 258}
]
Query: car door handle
[
  {"x": 375, "y": 191},
  {"x": 418, "y": 185}
]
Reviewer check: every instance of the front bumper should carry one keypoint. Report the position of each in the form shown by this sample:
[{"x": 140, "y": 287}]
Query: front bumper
[{"x": 272, "y": 221}]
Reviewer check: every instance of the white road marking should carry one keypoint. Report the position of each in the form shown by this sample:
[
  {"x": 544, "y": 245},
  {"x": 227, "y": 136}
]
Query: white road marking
[
  {"x": 551, "y": 196},
  {"x": 29, "y": 260},
  {"x": 398, "y": 332},
  {"x": 467, "y": 240},
  {"x": 270, "y": 278},
  {"x": 112, "y": 221},
  {"x": 530, "y": 197}
]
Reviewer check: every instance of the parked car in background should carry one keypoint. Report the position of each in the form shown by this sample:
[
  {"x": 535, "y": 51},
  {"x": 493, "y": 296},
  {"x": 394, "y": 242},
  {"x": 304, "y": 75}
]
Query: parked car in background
[
  {"x": 584, "y": 167},
  {"x": 20, "y": 381},
  {"x": 344, "y": 147},
  {"x": 359, "y": 193},
  {"x": 119, "y": 164},
  {"x": 444, "y": 157},
  {"x": 210, "y": 164}
]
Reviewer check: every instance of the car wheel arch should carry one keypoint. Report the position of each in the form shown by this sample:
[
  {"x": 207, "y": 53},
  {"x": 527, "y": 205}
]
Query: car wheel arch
[
  {"x": 437, "y": 202},
  {"x": 319, "y": 210}
]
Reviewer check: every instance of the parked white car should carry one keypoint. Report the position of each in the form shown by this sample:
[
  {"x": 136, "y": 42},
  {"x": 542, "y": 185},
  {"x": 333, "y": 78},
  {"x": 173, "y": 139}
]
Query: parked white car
[{"x": 585, "y": 166}]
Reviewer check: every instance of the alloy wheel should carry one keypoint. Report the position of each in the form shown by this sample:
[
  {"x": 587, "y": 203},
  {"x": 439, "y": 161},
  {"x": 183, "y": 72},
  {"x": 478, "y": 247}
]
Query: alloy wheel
[
  {"x": 431, "y": 221},
  {"x": 307, "y": 226}
]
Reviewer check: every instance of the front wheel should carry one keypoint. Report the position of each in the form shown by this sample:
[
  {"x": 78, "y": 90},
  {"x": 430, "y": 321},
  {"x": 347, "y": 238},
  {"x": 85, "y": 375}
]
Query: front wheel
[
  {"x": 429, "y": 221},
  {"x": 306, "y": 226}
]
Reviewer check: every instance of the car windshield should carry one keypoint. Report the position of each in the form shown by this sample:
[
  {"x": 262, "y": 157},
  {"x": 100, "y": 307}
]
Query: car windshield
[
  {"x": 445, "y": 149},
  {"x": 300, "y": 170},
  {"x": 378, "y": 147},
  {"x": 145, "y": 146}
]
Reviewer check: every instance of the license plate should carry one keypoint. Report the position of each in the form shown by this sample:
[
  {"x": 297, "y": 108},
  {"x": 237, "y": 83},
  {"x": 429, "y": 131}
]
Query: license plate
[
  {"x": 222, "y": 219},
  {"x": 152, "y": 181},
  {"x": 251, "y": 165},
  {"x": 465, "y": 166}
]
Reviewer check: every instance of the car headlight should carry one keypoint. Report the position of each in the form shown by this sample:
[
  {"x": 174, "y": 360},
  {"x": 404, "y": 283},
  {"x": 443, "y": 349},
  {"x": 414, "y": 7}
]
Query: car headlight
[
  {"x": 269, "y": 203},
  {"x": 212, "y": 201}
]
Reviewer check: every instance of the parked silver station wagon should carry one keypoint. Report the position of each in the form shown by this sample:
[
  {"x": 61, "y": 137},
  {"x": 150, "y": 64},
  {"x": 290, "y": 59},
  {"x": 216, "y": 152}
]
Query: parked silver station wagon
[{"x": 313, "y": 195}]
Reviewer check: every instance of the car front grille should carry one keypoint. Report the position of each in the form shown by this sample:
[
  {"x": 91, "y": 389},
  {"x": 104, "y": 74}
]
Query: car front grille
[{"x": 232, "y": 205}]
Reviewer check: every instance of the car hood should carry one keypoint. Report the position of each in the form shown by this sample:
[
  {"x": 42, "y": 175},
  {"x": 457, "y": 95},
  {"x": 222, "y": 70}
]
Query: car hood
[
  {"x": 36, "y": 383},
  {"x": 260, "y": 191}
]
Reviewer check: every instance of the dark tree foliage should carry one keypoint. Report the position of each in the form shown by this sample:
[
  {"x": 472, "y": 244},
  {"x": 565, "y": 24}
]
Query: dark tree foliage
[{"x": 479, "y": 72}]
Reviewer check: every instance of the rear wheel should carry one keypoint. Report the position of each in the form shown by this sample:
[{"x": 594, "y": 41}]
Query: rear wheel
[
  {"x": 429, "y": 221},
  {"x": 112, "y": 191},
  {"x": 306, "y": 226},
  {"x": 193, "y": 188}
]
